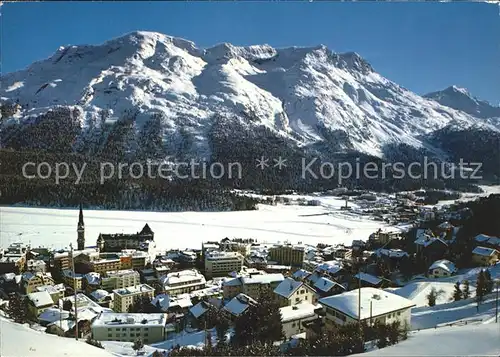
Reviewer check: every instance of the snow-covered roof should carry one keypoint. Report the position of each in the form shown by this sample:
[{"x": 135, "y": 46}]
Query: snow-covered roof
[
  {"x": 331, "y": 267},
  {"x": 368, "y": 278},
  {"x": 444, "y": 264},
  {"x": 287, "y": 287},
  {"x": 445, "y": 225},
  {"x": 300, "y": 274},
  {"x": 53, "y": 314},
  {"x": 93, "y": 278},
  {"x": 199, "y": 309},
  {"x": 41, "y": 299},
  {"x": 168, "y": 302},
  {"x": 483, "y": 238},
  {"x": 190, "y": 276},
  {"x": 381, "y": 302},
  {"x": 64, "y": 325},
  {"x": 100, "y": 294},
  {"x": 392, "y": 253},
  {"x": 131, "y": 290},
  {"x": 52, "y": 289},
  {"x": 239, "y": 304},
  {"x": 129, "y": 319},
  {"x": 232, "y": 282},
  {"x": 299, "y": 311},
  {"x": 325, "y": 284},
  {"x": 484, "y": 251},
  {"x": 263, "y": 279}
]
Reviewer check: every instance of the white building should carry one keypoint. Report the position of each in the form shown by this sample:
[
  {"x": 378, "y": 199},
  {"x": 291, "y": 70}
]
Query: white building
[
  {"x": 376, "y": 306},
  {"x": 123, "y": 298},
  {"x": 222, "y": 263},
  {"x": 292, "y": 317},
  {"x": 441, "y": 268},
  {"x": 129, "y": 327},
  {"x": 183, "y": 282}
]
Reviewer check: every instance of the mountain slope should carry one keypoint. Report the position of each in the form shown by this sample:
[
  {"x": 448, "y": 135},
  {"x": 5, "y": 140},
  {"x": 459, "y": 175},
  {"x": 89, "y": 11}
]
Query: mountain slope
[
  {"x": 460, "y": 99},
  {"x": 151, "y": 94}
]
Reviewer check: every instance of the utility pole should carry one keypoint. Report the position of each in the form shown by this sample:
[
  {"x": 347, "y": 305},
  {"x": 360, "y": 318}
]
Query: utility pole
[
  {"x": 496, "y": 301},
  {"x": 74, "y": 289},
  {"x": 359, "y": 310}
]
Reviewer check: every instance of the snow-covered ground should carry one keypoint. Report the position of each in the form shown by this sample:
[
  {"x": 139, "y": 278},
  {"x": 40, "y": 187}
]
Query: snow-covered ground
[
  {"x": 471, "y": 340},
  {"x": 418, "y": 291},
  {"x": 57, "y": 227},
  {"x": 21, "y": 341}
]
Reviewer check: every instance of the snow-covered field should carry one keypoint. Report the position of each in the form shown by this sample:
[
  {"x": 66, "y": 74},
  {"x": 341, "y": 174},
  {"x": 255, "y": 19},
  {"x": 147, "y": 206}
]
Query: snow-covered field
[
  {"x": 21, "y": 341},
  {"x": 57, "y": 227},
  {"x": 472, "y": 340}
]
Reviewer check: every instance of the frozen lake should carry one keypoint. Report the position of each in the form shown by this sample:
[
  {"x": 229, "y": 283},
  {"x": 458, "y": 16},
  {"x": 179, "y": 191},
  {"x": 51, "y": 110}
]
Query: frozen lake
[{"x": 57, "y": 227}]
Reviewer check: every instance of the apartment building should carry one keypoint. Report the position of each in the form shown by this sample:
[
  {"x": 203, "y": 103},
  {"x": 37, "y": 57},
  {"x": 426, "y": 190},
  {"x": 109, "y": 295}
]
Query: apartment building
[
  {"x": 133, "y": 259},
  {"x": 376, "y": 306},
  {"x": 31, "y": 281},
  {"x": 287, "y": 254},
  {"x": 71, "y": 279},
  {"x": 13, "y": 259},
  {"x": 183, "y": 282},
  {"x": 150, "y": 328},
  {"x": 124, "y": 297},
  {"x": 222, "y": 263},
  {"x": 250, "y": 285},
  {"x": 118, "y": 279}
]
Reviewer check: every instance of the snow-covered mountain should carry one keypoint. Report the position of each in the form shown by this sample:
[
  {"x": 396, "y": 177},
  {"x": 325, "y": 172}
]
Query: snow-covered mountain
[
  {"x": 460, "y": 99},
  {"x": 156, "y": 93}
]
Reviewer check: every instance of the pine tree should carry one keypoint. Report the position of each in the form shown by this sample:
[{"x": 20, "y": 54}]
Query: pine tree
[
  {"x": 138, "y": 345},
  {"x": 457, "y": 294},
  {"x": 270, "y": 325},
  {"x": 221, "y": 328},
  {"x": 480, "y": 286},
  {"x": 432, "y": 296},
  {"x": 466, "y": 291},
  {"x": 488, "y": 286},
  {"x": 18, "y": 309},
  {"x": 67, "y": 305}
]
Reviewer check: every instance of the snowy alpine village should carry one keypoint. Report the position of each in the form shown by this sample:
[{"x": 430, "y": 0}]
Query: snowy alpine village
[
  {"x": 397, "y": 289},
  {"x": 249, "y": 178}
]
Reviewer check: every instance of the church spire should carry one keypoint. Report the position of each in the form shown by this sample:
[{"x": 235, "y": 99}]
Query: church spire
[
  {"x": 81, "y": 230},
  {"x": 80, "y": 217}
]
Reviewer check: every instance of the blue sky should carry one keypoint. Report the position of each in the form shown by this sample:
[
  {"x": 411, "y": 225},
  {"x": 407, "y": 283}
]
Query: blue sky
[{"x": 422, "y": 46}]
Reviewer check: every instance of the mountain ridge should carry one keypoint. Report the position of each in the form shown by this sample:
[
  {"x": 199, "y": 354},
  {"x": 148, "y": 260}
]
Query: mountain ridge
[{"x": 164, "y": 89}]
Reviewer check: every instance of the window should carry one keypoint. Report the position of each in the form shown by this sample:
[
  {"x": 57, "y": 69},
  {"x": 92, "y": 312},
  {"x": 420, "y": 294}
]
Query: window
[
  {"x": 305, "y": 298},
  {"x": 297, "y": 299},
  {"x": 399, "y": 313},
  {"x": 293, "y": 324}
]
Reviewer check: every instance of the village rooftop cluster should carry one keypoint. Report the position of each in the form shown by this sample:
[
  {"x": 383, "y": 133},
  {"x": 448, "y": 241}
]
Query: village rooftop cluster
[{"x": 92, "y": 291}]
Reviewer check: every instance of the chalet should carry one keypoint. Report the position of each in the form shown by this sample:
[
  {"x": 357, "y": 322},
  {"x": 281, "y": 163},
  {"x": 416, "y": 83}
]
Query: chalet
[
  {"x": 326, "y": 287},
  {"x": 292, "y": 292},
  {"x": 369, "y": 280},
  {"x": 485, "y": 256},
  {"x": 238, "y": 305},
  {"x": 294, "y": 317},
  {"x": 442, "y": 268}
]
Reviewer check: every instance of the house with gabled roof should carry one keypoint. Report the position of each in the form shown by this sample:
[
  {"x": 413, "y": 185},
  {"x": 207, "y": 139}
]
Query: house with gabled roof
[
  {"x": 292, "y": 292},
  {"x": 485, "y": 256},
  {"x": 441, "y": 268}
]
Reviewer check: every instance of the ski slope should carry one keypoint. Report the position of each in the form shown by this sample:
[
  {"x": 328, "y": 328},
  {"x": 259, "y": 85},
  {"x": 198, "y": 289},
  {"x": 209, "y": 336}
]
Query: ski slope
[{"x": 57, "y": 227}]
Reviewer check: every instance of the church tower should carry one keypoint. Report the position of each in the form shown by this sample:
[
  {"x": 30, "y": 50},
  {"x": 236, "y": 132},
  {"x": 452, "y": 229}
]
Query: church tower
[{"x": 81, "y": 231}]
